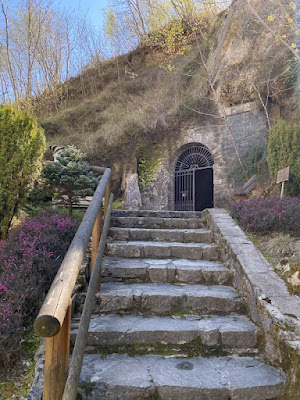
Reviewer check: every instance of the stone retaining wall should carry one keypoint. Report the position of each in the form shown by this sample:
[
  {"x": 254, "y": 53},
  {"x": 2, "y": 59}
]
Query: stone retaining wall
[{"x": 270, "y": 305}]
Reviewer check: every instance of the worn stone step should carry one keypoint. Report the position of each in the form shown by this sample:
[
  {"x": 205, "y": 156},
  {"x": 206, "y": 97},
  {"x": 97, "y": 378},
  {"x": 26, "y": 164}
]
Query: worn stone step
[
  {"x": 189, "y": 334},
  {"x": 165, "y": 271},
  {"x": 157, "y": 214},
  {"x": 121, "y": 377},
  {"x": 162, "y": 235},
  {"x": 157, "y": 222},
  {"x": 167, "y": 299},
  {"x": 146, "y": 249}
]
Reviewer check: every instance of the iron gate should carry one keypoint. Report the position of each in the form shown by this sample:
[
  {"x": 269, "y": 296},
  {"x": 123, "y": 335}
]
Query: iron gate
[
  {"x": 194, "y": 191},
  {"x": 184, "y": 191}
]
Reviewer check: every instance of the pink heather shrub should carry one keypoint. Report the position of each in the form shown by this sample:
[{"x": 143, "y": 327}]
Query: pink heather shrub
[
  {"x": 29, "y": 260},
  {"x": 268, "y": 215}
]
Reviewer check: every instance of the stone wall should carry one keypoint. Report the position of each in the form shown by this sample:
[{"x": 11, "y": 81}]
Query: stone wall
[
  {"x": 248, "y": 125},
  {"x": 270, "y": 306}
]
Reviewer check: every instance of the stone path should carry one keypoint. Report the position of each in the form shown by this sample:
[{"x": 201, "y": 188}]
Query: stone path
[{"x": 168, "y": 324}]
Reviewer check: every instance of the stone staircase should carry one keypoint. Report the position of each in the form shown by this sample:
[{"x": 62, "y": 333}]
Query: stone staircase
[{"x": 167, "y": 323}]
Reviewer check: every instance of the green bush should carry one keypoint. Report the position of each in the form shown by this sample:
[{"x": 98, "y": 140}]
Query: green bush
[
  {"x": 284, "y": 151},
  {"x": 22, "y": 144}
]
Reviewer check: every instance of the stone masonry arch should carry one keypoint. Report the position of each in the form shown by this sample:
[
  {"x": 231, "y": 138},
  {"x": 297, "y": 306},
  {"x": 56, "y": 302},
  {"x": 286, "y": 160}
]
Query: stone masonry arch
[
  {"x": 193, "y": 186},
  {"x": 248, "y": 126}
]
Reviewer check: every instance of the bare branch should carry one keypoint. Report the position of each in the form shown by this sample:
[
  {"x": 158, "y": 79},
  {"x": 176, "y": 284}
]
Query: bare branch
[
  {"x": 264, "y": 106},
  {"x": 280, "y": 38},
  {"x": 201, "y": 112},
  {"x": 217, "y": 98}
]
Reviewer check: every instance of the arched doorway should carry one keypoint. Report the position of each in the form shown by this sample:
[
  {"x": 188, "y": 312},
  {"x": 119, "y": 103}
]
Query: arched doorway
[{"x": 194, "y": 188}]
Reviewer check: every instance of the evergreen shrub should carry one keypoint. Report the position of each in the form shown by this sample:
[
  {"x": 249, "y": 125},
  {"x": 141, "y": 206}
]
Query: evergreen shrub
[
  {"x": 284, "y": 151},
  {"x": 70, "y": 178},
  {"x": 22, "y": 144}
]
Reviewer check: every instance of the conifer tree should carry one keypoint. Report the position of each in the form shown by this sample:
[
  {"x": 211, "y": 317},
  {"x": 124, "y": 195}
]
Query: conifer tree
[
  {"x": 69, "y": 178},
  {"x": 284, "y": 151},
  {"x": 22, "y": 144}
]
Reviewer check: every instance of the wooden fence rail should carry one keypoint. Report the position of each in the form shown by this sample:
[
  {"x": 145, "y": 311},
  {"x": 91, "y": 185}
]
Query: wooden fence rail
[{"x": 54, "y": 318}]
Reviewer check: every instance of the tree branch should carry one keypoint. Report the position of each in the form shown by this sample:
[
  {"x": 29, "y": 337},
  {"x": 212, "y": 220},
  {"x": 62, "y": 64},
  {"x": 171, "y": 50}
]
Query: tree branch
[{"x": 284, "y": 42}]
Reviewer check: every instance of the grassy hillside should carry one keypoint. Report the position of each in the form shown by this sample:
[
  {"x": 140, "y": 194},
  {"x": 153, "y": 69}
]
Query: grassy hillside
[{"x": 115, "y": 118}]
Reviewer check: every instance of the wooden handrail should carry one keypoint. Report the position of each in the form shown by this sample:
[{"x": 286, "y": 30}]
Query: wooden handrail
[
  {"x": 98, "y": 170},
  {"x": 53, "y": 320},
  {"x": 72, "y": 383},
  {"x": 52, "y": 314}
]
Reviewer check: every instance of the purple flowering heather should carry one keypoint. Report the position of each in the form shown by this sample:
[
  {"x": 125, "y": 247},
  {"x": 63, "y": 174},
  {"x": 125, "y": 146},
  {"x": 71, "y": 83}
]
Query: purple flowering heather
[
  {"x": 29, "y": 260},
  {"x": 268, "y": 215}
]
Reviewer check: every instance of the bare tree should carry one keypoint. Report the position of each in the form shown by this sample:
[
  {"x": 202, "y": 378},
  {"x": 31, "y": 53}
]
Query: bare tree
[
  {"x": 41, "y": 47},
  {"x": 6, "y": 44}
]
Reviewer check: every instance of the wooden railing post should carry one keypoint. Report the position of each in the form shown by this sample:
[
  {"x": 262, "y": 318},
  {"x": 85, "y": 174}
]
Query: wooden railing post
[
  {"x": 57, "y": 361},
  {"x": 96, "y": 236},
  {"x": 107, "y": 196}
]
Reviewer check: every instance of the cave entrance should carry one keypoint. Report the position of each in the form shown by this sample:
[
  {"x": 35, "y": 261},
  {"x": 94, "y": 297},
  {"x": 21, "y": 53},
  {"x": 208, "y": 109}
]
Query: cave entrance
[{"x": 194, "y": 187}]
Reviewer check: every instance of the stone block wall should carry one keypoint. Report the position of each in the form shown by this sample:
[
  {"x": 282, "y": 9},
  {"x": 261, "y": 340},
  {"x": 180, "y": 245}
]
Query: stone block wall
[{"x": 270, "y": 306}]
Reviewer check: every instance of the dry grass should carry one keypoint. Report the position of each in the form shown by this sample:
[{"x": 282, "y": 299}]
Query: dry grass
[
  {"x": 280, "y": 246},
  {"x": 120, "y": 117},
  {"x": 283, "y": 253}
]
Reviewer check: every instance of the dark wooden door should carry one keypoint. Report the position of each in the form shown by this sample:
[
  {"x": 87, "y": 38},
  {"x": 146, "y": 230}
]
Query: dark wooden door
[{"x": 204, "y": 189}]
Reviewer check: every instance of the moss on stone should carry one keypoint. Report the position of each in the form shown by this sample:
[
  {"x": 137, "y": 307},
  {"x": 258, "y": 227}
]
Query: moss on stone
[
  {"x": 193, "y": 348},
  {"x": 148, "y": 162},
  {"x": 261, "y": 342},
  {"x": 87, "y": 387},
  {"x": 179, "y": 311},
  {"x": 285, "y": 328},
  {"x": 290, "y": 364}
]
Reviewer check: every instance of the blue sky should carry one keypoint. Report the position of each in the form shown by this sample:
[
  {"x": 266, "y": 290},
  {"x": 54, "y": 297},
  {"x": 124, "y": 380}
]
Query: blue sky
[{"x": 91, "y": 7}]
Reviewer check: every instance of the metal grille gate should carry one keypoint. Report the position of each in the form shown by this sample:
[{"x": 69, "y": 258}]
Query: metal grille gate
[
  {"x": 184, "y": 191},
  {"x": 191, "y": 160}
]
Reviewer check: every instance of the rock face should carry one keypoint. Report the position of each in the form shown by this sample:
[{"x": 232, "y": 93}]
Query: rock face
[
  {"x": 132, "y": 192},
  {"x": 167, "y": 323}
]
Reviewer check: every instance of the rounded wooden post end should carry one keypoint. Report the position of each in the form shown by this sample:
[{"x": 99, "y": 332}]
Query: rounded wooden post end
[{"x": 47, "y": 326}]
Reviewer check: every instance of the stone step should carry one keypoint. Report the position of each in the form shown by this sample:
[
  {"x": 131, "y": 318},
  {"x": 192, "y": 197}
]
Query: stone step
[
  {"x": 157, "y": 222},
  {"x": 190, "y": 334},
  {"x": 145, "y": 249},
  {"x": 162, "y": 235},
  {"x": 121, "y": 377},
  {"x": 165, "y": 271},
  {"x": 167, "y": 299},
  {"x": 157, "y": 214}
]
